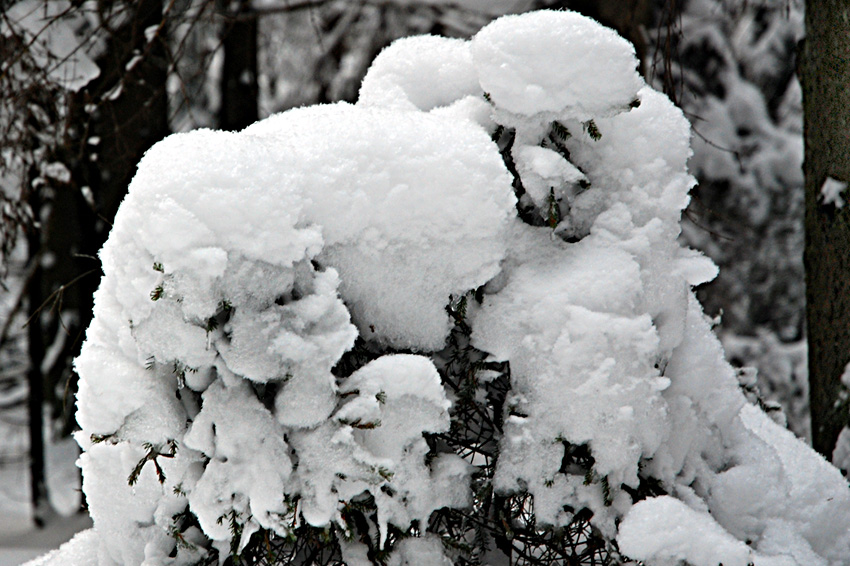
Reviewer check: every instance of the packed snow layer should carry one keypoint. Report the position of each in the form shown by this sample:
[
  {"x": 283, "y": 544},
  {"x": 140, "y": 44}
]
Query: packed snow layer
[
  {"x": 567, "y": 322},
  {"x": 590, "y": 325}
]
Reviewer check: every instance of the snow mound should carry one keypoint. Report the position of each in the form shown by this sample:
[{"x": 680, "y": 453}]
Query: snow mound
[
  {"x": 398, "y": 74},
  {"x": 665, "y": 530}
]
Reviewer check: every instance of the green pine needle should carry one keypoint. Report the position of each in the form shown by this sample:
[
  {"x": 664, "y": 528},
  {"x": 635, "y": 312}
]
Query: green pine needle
[{"x": 592, "y": 130}]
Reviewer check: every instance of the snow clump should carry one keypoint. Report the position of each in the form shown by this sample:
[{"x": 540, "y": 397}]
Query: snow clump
[{"x": 831, "y": 191}]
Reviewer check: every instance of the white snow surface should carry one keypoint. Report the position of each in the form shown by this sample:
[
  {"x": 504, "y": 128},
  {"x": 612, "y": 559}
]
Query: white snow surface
[
  {"x": 242, "y": 266},
  {"x": 394, "y": 208},
  {"x": 81, "y": 550},
  {"x": 399, "y": 73},
  {"x": 559, "y": 62},
  {"x": 663, "y": 530}
]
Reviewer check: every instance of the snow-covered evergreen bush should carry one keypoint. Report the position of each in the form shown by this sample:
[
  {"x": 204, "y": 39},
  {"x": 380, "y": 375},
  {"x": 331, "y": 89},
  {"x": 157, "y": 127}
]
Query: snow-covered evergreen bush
[{"x": 448, "y": 324}]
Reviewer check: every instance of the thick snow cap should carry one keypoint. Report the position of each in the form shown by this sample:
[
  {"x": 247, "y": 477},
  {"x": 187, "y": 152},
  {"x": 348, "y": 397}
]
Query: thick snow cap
[{"x": 558, "y": 62}]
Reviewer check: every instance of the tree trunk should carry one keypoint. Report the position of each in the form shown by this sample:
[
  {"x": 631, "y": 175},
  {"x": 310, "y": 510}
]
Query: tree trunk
[
  {"x": 35, "y": 384},
  {"x": 239, "y": 90},
  {"x": 825, "y": 75}
]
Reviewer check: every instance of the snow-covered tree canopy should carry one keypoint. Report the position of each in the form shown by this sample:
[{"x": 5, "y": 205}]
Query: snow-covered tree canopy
[{"x": 301, "y": 325}]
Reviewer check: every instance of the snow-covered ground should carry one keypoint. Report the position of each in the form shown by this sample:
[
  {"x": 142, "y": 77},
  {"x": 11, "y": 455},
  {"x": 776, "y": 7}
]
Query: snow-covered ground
[{"x": 20, "y": 540}]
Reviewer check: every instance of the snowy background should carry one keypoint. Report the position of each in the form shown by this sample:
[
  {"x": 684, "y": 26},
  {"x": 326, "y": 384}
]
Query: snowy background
[
  {"x": 19, "y": 540},
  {"x": 751, "y": 128}
]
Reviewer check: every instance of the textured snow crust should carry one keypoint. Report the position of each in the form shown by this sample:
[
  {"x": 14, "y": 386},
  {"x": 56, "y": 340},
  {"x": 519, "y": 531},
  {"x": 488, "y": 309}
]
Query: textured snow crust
[{"x": 242, "y": 267}]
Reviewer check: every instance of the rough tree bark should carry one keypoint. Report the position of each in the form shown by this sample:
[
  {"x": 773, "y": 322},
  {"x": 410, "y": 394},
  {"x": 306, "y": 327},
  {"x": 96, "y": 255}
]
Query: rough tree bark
[
  {"x": 824, "y": 69},
  {"x": 239, "y": 89}
]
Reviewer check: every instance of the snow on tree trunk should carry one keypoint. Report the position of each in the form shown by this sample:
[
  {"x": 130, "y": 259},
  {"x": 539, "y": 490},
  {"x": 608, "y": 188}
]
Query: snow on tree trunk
[{"x": 451, "y": 323}]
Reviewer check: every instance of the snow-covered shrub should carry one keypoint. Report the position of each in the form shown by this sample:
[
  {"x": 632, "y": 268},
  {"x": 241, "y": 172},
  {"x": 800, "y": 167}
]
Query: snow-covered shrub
[{"x": 449, "y": 324}]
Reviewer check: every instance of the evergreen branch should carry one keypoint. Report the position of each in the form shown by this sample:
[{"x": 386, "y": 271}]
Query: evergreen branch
[
  {"x": 592, "y": 130},
  {"x": 153, "y": 452}
]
